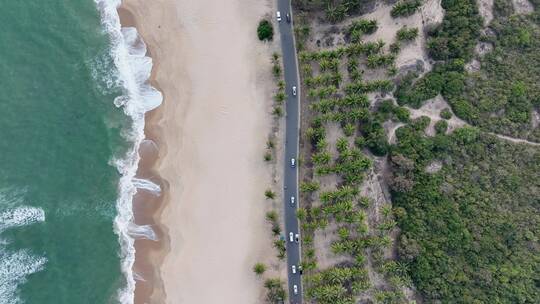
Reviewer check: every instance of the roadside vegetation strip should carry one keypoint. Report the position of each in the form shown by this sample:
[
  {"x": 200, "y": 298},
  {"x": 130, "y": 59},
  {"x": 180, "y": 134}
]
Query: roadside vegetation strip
[{"x": 274, "y": 286}]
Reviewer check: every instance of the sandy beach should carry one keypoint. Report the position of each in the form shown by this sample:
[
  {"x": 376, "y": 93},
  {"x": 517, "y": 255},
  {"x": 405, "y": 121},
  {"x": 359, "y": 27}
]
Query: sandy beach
[{"x": 211, "y": 132}]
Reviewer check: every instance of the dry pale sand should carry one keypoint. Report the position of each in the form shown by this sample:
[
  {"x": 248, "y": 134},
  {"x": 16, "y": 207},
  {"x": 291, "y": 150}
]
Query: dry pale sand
[{"x": 211, "y": 131}]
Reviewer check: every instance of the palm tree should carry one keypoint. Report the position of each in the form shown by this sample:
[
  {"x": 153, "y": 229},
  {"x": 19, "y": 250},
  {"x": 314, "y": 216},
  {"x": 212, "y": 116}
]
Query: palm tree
[
  {"x": 269, "y": 194},
  {"x": 278, "y": 111},
  {"x": 276, "y": 230},
  {"x": 301, "y": 214},
  {"x": 271, "y": 216},
  {"x": 259, "y": 268},
  {"x": 280, "y": 96},
  {"x": 275, "y": 58}
]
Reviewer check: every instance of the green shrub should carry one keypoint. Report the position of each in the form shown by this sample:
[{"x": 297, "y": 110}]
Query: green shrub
[
  {"x": 446, "y": 113},
  {"x": 441, "y": 126},
  {"x": 259, "y": 268},
  {"x": 265, "y": 31}
]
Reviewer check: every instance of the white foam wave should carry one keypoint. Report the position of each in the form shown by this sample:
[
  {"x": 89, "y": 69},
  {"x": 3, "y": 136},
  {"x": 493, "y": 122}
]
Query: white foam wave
[
  {"x": 133, "y": 67},
  {"x": 147, "y": 185},
  {"x": 15, "y": 266},
  {"x": 20, "y": 217},
  {"x": 142, "y": 232}
]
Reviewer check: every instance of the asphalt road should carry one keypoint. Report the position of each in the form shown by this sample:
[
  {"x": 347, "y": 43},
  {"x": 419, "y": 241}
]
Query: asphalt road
[{"x": 292, "y": 126}]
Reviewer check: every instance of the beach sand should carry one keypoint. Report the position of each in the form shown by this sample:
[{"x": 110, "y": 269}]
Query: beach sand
[{"x": 211, "y": 132}]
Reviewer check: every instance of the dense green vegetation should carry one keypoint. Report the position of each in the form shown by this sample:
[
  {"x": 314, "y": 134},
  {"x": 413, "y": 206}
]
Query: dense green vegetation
[
  {"x": 453, "y": 42},
  {"x": 502, "y": 96},
  {"x": 265, "y": 31},
  {"x": 467, "y": 203},
  {"x": 469, "y": 231}
]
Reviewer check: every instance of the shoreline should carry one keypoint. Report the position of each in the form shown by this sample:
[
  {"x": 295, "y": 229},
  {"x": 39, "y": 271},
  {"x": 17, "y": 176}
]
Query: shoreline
[{"x": 147, "y": 207}]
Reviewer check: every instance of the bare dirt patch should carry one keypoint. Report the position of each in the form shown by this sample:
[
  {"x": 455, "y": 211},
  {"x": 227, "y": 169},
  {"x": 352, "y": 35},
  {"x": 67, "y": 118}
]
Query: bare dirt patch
[
  {"x": 486, "y": 10},
  {"x": 432, "y": 109},
  {"x": 522, "y": 6}
]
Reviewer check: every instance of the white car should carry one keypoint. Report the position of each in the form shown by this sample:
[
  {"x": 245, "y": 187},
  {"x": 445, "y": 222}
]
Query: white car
[
  {"x": 294, "y": 90},
  {"x": 297, "y": 238},
  {"x": 293, "y": 269},
  {"x": 291, "y": 237},
  {"x": 278, "y": 16},
  {"x": 295, "y": 289},
  {"x": 293, "y": 162},
  {"x": 292, "y": 200}
]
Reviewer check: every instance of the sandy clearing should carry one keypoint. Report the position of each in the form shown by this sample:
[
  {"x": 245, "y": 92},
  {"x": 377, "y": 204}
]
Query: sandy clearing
[{"x": 522, "y": 6}]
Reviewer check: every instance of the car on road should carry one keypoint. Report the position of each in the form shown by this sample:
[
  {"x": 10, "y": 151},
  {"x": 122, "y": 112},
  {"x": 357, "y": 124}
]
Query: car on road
[
  {"x": 278, "y": 16},
  {"x": 292, "y": 200},
  {"x": 295, "y": 289},
  {"x": 291, "y": 237},
  {"x": 293, "y": 269},
  {"x": 294, "y": 90},
  {"x": 288, "y": 17},
  {"x": 297, "y": 238},
  {"x": 293, "y": 162}
]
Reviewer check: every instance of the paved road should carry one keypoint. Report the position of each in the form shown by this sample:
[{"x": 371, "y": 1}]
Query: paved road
[{"x": 292, "y": 105}]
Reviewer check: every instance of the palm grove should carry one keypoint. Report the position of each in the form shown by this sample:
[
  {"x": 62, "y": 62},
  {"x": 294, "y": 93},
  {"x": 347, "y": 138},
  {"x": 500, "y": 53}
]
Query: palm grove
[{"x": 468, "y": 230}]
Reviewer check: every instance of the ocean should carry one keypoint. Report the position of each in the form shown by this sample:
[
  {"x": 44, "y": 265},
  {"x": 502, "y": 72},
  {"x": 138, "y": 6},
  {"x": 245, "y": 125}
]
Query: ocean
[{"x": 73, "y": 93}]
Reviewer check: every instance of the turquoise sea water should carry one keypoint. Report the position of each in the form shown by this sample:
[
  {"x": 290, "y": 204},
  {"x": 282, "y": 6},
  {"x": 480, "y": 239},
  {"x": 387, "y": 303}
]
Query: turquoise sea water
[{"x": 63, "y": 233}]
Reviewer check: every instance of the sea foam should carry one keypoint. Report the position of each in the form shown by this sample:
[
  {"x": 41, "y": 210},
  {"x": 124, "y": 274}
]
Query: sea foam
[
  {"x": 133, "y": 70},
  {"x": 15, "y": 266},
  {"x": 147, "y": 185}
]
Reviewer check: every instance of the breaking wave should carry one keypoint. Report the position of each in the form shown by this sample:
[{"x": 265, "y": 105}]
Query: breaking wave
[
  {"x": 15, "y": 266},
  {"x": 133, "y": 71}
]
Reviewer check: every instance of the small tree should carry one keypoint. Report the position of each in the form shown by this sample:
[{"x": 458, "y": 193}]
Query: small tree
[
  {"x": 267, "y": 156},
  {"x": 271, "y": 216},
  {"x": 265, "y": 31},
  {"x": 259, "y": 268},
  {"x": 441, "y": 126},
  {"x": 269, "y": 194}
]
